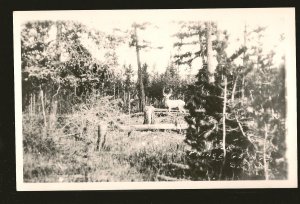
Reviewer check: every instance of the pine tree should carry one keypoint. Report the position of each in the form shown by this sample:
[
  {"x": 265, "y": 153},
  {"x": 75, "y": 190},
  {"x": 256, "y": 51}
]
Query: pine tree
[
  {"x": 217, "y": 137},
  {"x": 139, "y": 45},
  {"x": 198, "y": 35},
  {"x": 269, "y": 109}
]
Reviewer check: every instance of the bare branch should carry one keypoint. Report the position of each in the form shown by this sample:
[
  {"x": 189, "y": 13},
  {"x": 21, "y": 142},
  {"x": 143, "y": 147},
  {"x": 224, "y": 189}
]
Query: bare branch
[
  {"x": 241, "y": 128},
  {"x": 57, "y": 91}
]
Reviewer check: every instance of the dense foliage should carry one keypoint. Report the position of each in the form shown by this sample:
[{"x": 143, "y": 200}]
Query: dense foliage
[
  {"x": 237, "y": 135},
  {"x": 236, "y": 121}
]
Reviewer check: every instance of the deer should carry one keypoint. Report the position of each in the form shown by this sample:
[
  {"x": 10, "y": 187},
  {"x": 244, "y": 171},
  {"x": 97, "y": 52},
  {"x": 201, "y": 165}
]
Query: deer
[{"x": 173, "y": 103}]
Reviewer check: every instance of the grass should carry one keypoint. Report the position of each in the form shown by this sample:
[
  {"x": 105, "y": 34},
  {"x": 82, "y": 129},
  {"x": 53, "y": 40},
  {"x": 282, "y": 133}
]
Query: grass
[{"x": 61, "y": 156}]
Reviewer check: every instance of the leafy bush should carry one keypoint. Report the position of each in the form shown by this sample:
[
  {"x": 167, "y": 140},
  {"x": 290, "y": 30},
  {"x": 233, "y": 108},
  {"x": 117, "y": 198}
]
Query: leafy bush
[{"x": 35, "y": 139}]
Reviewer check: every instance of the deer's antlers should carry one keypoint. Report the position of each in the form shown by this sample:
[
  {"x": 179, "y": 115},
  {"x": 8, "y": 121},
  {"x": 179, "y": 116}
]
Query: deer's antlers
[{"x": 167, "y": 94}]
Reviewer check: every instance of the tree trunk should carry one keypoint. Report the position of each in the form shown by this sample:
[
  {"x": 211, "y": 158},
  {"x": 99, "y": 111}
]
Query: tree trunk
[
  {"x": 266, "y": 166},
  {"x": 124, "y": 98},
  {"x": 244, "y": 64},
  {"x": 52, "y": 117},
  {"x": 234, "y": 88},
  {"x": 118, "y": 92},
  {"x": 149, "y": 115},
  {"x": 114, "y": 91},
  {"x": 129, "y": 104},
  {"x": 43, "y": 107},
  {"x": 224, "y": 117},
  {"x": 210, "y": 67},
  {"x": 102, "y": 130},
  {"x": 102, "y": 89},
  {"x": 98, "y": 139},
  {"x": 140, "y": 74},
  {"x": 201, "y": 50},
  {"x": 224, "y": 128},
  {"x": 243, "y": 89},
  {"x": 33, "y": 104},
  {"x": 51, "y": 106},
  {"x": 30, "y": 106},
  {"x": 45, "y": 100}
]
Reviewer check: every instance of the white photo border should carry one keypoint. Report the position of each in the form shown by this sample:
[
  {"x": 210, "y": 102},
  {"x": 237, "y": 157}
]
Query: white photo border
[{"x": 291, "y": 123}]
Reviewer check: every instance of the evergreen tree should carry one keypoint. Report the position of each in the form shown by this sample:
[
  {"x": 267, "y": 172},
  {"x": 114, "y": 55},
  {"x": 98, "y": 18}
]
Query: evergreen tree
[
  {"x": 217, "y": 137},
  {"x": 238, "y": 136},
  {"x": 128, "y": 80},
  {"x": 199, "y": 36},
  {"x": 267, "y": 87},
  {"x": 139, "y": 45}
]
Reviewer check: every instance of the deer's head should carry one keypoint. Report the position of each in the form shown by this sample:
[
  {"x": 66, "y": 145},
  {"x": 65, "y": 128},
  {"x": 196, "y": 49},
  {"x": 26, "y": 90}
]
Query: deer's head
[{"x": 167, "y": 95}]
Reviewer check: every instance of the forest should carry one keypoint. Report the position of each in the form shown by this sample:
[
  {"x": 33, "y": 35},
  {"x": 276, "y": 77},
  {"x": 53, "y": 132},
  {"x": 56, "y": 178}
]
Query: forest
[{"x": 84, "y": 118}]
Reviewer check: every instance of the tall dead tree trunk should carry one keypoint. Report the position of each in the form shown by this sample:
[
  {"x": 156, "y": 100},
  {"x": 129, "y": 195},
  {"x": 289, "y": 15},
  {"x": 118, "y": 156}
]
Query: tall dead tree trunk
[
  {"x": 210, "y": 67},
  {"x": 224, "y": 116},
  {"x": 140, "y": 73},
  {"x": 234, "y": 88},
  {"x": 200, "y": 46},
  {"x": 43, "y": 108},
  {"x": 224, "y": 127},
  {"x": 244, "y": 64},
  {"x": 266, "y": 166}
]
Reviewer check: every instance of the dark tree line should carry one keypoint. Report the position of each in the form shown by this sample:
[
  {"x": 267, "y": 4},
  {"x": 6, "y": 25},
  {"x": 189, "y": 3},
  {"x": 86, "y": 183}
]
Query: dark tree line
[{"x": 237, "y": 136}]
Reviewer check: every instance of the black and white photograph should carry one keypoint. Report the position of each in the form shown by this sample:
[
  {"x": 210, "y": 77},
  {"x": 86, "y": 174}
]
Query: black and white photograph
[{"x": 155, "y": 99}]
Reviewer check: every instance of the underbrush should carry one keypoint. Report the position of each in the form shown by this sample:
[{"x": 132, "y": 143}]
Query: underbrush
[
  {"x": 135, "y": 158},
  {"x": 68, "y": 153},
  {"x": 157, "y": 154}
]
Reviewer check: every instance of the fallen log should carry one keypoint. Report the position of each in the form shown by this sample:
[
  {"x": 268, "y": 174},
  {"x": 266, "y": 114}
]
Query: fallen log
[
  {"x": 178, "y": 166},
  {"x": 165, "y": 110},
  {"x": 154, "y": 127},
  {"x": 167, "y": 178},
  {"x": 160, "y": 111}
]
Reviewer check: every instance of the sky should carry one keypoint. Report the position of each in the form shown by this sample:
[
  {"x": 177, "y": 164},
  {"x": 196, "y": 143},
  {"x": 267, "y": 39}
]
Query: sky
[{"x": 164, "y": 24}]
